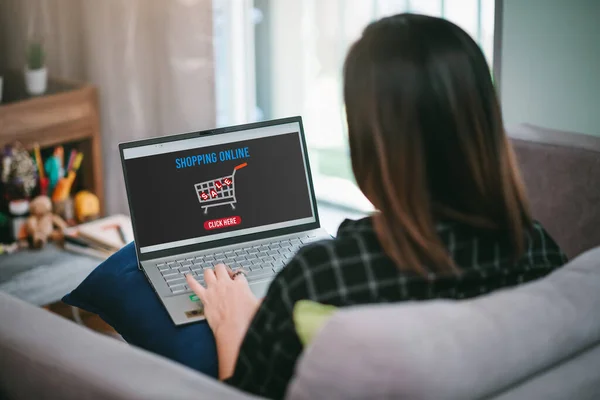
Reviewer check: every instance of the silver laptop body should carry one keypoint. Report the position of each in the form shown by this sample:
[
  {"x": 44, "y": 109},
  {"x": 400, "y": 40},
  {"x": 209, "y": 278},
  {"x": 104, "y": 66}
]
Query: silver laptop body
[{"x": 240, "y": 195}]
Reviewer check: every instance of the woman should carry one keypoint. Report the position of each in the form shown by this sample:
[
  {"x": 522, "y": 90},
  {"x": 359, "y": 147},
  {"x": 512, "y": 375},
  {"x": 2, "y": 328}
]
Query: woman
[{"x": 429, "y": 151}]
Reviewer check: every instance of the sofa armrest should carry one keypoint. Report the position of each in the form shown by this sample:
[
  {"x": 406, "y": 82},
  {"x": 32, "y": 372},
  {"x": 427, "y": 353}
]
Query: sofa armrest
[{"x": 45, "y": 356}]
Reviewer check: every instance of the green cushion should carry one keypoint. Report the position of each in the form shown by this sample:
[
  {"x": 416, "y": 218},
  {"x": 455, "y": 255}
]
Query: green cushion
[{"x": 309, "y": 318}]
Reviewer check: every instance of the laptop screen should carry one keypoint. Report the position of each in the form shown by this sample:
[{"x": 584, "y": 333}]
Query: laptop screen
[{"x": 201, "y": 189}]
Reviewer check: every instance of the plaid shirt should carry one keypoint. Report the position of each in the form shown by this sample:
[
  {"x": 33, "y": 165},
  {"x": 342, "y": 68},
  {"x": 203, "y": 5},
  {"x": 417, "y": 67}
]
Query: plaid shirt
[{"x": 353, "y": 269}]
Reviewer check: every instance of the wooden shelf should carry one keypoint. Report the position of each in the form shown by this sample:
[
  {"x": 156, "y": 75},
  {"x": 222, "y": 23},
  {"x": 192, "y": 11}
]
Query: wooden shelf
[{"x": 68, "y": 113}]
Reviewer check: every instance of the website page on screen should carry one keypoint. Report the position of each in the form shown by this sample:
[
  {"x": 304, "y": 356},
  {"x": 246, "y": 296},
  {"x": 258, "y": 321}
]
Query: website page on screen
[{"x": 202, "y": 193}]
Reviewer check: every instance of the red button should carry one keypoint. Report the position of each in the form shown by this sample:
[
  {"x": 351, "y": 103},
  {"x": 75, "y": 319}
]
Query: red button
[{"x": 222, "y": 223}]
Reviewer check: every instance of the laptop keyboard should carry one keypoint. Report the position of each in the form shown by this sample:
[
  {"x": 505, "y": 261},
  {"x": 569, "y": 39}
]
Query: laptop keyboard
[{"x": 260, "y": 262}]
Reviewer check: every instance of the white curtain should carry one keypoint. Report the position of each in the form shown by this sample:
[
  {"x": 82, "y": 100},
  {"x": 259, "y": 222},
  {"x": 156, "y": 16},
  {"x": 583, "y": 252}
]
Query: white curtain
[{"x": 152, "y": 61}]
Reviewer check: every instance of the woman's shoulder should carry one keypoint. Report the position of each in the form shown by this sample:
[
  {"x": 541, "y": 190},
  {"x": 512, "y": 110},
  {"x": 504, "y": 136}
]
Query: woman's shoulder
[
  {"x": 542, "y": 244},
  {"x": 328, "y": 270},
  {"x": 352, "y": 236},
  {"x": 539, "y": 235},
  {"x": 354, "y": 241},
  {"x": 350, "y": 227}
]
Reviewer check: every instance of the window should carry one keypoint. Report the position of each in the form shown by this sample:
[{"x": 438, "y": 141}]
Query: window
[{"x": 277, "y": 58}]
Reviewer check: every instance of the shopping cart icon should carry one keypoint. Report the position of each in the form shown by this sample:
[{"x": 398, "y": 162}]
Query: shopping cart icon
[{"x": 219, "y": 191}]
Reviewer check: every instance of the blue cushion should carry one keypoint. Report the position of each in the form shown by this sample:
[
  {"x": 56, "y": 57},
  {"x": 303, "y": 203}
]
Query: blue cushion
[{"x": 120, "y": 294}]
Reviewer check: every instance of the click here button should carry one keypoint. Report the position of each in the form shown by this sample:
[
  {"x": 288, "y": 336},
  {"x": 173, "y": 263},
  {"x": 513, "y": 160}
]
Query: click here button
[{"x": 222, "y": 223}]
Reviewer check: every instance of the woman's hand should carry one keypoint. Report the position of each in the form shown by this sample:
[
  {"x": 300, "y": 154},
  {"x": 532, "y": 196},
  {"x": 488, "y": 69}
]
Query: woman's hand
[
  {"x": 229, "y": 307},
  {"x": 228, "y": 301}
]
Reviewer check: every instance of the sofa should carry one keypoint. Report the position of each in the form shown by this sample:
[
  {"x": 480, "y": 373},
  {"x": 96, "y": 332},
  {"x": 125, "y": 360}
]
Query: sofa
[
  {"x": 561, "y": 171},
  {"x": 537, "y": 341}
]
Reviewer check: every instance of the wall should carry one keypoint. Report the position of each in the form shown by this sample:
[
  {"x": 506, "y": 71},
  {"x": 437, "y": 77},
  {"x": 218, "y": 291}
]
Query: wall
[
  {"x": 58, "y": 21},
  {"x": 152, "y": 62},
  {"x": 550, "y": 64}
]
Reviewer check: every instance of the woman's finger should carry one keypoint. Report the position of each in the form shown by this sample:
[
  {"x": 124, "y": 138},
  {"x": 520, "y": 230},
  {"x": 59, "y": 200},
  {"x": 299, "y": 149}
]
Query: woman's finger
[
  {"x": 196, "y": 287},
  {"x": 230, "y": 271},
  {"x": 240, "y": 277},
  {"x": 221, "y": 272},
  {"x": 209, "y": 277}
]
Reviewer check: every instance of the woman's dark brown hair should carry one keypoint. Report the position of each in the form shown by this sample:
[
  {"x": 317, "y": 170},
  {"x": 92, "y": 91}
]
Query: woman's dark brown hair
[{"x": 427, "y": 140}]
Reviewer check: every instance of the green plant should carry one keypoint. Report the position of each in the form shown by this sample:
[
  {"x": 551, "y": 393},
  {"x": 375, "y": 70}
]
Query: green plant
[{"x": 36, "y": 56}]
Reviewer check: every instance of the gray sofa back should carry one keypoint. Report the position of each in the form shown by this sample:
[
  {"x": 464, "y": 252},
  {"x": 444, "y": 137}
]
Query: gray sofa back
[
  {"x": 561, "y": 171},
  {"x": 537, "y": 341}
]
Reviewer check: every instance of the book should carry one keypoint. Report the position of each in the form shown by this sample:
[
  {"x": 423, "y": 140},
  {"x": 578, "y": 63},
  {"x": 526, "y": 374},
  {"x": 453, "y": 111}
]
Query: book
[
  {"x": 87, "y": 250},
  {"x": 72, "y": 236},
  {"x": 75, "y": 243},
  {"x": 110, "y": 233}
]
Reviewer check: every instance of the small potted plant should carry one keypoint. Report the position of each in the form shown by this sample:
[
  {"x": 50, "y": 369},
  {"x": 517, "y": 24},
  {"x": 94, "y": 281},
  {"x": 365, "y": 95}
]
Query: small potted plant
[{"x": 36, "y": 73}]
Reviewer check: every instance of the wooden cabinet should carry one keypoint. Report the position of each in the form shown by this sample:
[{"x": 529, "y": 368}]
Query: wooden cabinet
[{"x": 66, "y": 115}]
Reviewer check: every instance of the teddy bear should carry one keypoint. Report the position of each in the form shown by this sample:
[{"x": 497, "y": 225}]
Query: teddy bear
[{"x": 41, "y": 224}]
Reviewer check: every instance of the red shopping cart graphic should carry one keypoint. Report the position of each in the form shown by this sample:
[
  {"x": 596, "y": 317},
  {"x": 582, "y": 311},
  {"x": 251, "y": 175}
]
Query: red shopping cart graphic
[
  {"x": 219, "y": 191},
  {"x": 222, "y": 223}
]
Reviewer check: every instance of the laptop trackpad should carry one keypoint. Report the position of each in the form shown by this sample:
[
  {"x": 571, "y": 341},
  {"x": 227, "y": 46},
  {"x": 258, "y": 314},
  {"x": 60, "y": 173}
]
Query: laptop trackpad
[{"x": 260, "y": 288}]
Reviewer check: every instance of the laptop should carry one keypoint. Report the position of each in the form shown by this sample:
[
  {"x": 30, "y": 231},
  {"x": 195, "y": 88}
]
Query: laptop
[{"x": 240, "y": 195}]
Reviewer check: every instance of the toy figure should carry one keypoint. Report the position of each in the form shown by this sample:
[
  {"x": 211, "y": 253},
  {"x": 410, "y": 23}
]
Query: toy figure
[{"x": 42, "y": 223}]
